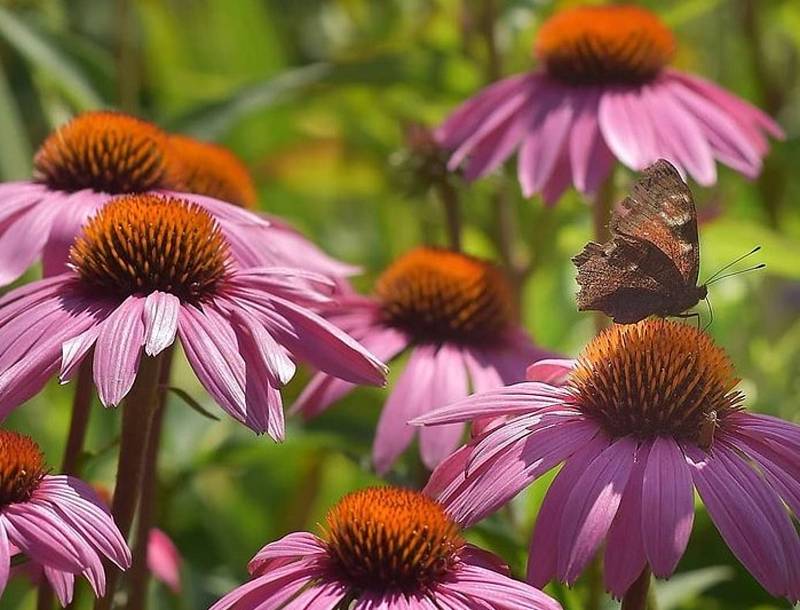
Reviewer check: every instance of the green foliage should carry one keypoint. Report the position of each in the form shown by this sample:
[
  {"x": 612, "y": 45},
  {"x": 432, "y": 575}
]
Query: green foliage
[{"x": 314, "y": 95}]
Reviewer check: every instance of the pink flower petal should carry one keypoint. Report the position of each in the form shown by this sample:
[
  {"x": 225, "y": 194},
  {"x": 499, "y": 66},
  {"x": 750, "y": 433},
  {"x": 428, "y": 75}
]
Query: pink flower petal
[
  {"x": 449, "y": 384},
  {"x": 500, "y": 591},
  {"x": 667, "y": 506},
  {"x": 412, "y": 394},
  {"x": 589, "y": 156},
  {"x": 591, "y": 507},
  {"x": 552, "y": 371},
  {"x": 627, "y": 127},
  {"x": 5, "y": 558},
  {"x": 63, "y": 584},
  {"x": 118, "y": 350},
  {"x": 288, "y": 549},
  {"x": 624, "y": 556},
  {"x": 22, "y": 240},
  {"x": 164, "y": 560},
  {"x": 161, "y": 311},
  {"x": 546, "y": 137},
  {"x": 544, "y": 547},
  {"x": 749, "y": 515}
]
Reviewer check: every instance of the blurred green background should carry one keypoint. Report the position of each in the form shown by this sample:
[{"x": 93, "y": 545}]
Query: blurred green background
[{"x": 315, "y": 96}]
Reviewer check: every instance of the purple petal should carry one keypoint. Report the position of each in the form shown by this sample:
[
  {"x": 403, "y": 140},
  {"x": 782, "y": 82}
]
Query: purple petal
[
  {"x": 544, "y": 547},
  {"x": 625, "y": 557},
  {"x": 552, "y": 371},
  {"x": 161, "y": 311},
  {"x": 164, "y": 560},
  {"x": 5, "y": 558},
  {"x": 499, "y": 590},
  {"x": 627, "y": 127},
  {"x": 547, "y": 137},
  {"x": 273, "y": 357},
  {"x": 749, "y": 515},
  {"x": 589, "y": 156},
  {"x": 118, "y": 350},
  {"x": 44, "y": 537},
  {"x": 74, "y": 351},
  {"x": 63, "y": 584},
  {"x": 667, "y": 506},
  {"x": 449, "y": 384},
  {"x": 73, "y": 211},
  {"x": 591, "y": 507},
  {"x": 288, "y": 549},
  {"x": 22, "y": 240},
  {"x": 412, "y": 394}
]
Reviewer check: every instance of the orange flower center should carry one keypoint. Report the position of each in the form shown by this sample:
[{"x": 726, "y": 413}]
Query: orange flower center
[
  {"x": 138, "y": 244},
  {"x": 107, "y": 152},
  {"x": 391, "y": 539},
  {"x": 22, "y": 467},
  {"x": 214, "y": 171},
  {"x": 655, "y": 378},
  {"x": 437, "y": 295},
  {"x": 604, "y": 44}
]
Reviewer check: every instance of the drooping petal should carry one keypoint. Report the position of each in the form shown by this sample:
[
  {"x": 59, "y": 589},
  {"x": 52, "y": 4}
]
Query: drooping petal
[
  {"x": 74, "y": 209},
  {"x": 591, "y": 507},
  {"x": 411, "y": 395},
  {"x": 544, "y": 547},
  {"x": 749, "y": 515},
  {"x": 552, "y": 371},
  {"x": 546, "y": 137},
  {"x": 164, "y": 560},
  {"x": 323, "y": 390},
  {"x": 118, "y": 351},
  {"x": 275, "y": 361},
  {"x": 23, "y": 239},
  {"x": 161, "y": 311},
  {"x": 667, "y": 506},
  {"x": 589, "y": 156},
  {"x": 5, "y": 558},
  {"x": 627, "y": 127},
  {"x": 63, "y": 584},
  {"x": 624, "y": 557},
  {"x": 449, "y": 384},
  {"x": 43, "y": 537},
  {"x": 500, "y": 591}
]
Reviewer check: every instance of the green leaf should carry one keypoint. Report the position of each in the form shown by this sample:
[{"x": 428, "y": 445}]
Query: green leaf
[
  {"x": 725, "y": 240},
  {"x": 687, "y": 585},
  {"x": 192, "y": 403},
  {"x": 37, "y": 49},
  {"x": 211, "y": 121},
  {"x": 15, "y": 148}
]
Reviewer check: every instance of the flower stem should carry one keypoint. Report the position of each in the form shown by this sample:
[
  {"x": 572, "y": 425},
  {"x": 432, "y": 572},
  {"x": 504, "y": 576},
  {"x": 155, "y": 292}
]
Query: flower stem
[
  {"x": 139, "y": 575},
  {"x": 636, "y": 597},
  {"x": 137, "y": 418},
  {"x": 452, "y": 212},
  {"x": 601, "y": 216},
  {"x": 81, "y": 404}
]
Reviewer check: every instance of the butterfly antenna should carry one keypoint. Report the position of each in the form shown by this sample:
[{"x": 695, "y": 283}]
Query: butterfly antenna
[
  {"x": 732, "y": 263},
  {"x": 722, "y": 277},
  {"x": 710, "y": 313}
]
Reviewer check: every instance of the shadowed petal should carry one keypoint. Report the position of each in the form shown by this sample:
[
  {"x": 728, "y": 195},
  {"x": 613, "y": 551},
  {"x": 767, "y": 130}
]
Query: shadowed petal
[{"x": 667, "y": 506}]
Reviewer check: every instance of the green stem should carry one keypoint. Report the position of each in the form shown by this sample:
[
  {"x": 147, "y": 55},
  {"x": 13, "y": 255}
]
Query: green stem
[
  {"x": 139, "y": 574},
  {"x": 137, "y": 418},
  {"x": 127, "y": 60},
  {"x": 636, "y": 597},
  {"x": 452, "y": 212},
  {"x": 78, "y": 425}
]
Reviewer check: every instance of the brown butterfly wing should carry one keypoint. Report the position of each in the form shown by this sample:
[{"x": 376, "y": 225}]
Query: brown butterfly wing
[
  {"x": 627, "y": 279},
  {"x": 661, "y": 211}
]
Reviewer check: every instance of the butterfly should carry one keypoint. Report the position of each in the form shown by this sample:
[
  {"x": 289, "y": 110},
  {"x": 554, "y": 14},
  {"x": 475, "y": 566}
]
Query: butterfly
[{"x": 651, "y": 264}]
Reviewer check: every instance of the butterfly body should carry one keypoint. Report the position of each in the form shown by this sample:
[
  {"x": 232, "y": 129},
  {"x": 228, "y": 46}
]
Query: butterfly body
[{"x": 651, "y": 264}]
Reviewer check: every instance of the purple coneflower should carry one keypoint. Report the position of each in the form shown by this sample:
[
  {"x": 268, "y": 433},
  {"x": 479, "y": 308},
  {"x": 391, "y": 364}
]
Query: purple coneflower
[
  {"x": 604, "y": 91},
  {"x": 456, "y": 317},
  {"x": 57, "y": 522},
  {"x": 148, "y": 267},
  {"x": 648, "y": 414},
  {"x": 387, "y": 548},
  {"x": 214, "y": 171},
  {"x": 91, "y": 159}
]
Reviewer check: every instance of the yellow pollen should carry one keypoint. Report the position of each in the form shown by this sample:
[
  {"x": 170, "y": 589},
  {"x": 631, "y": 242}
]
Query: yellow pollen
[
  {"x": 22, "y": 467},
  {"x": 107, "y": 152},
  {"x": 604, "y": 45},
  {"x": 138, "y": 244},
  {"x": 656, "y": 378},
  {"x": 391, "y": 539},
  {"x": 211, "y": 170},
  {"x": 438, "y": 295}
]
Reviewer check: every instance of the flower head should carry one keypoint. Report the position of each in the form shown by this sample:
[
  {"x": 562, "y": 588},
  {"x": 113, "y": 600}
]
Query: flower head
[
  {"x": 98, "y": 155},
  {"x": 604, "y": 91},
  {"x": 456, "y": 316},
  {"x": 150, "y": 267},
  {"x": 211, "y": 170},
  {"x": 649, "y": 413},
  {"x": 56, "y": 521},
  {"x": 382, "y": 547}
]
